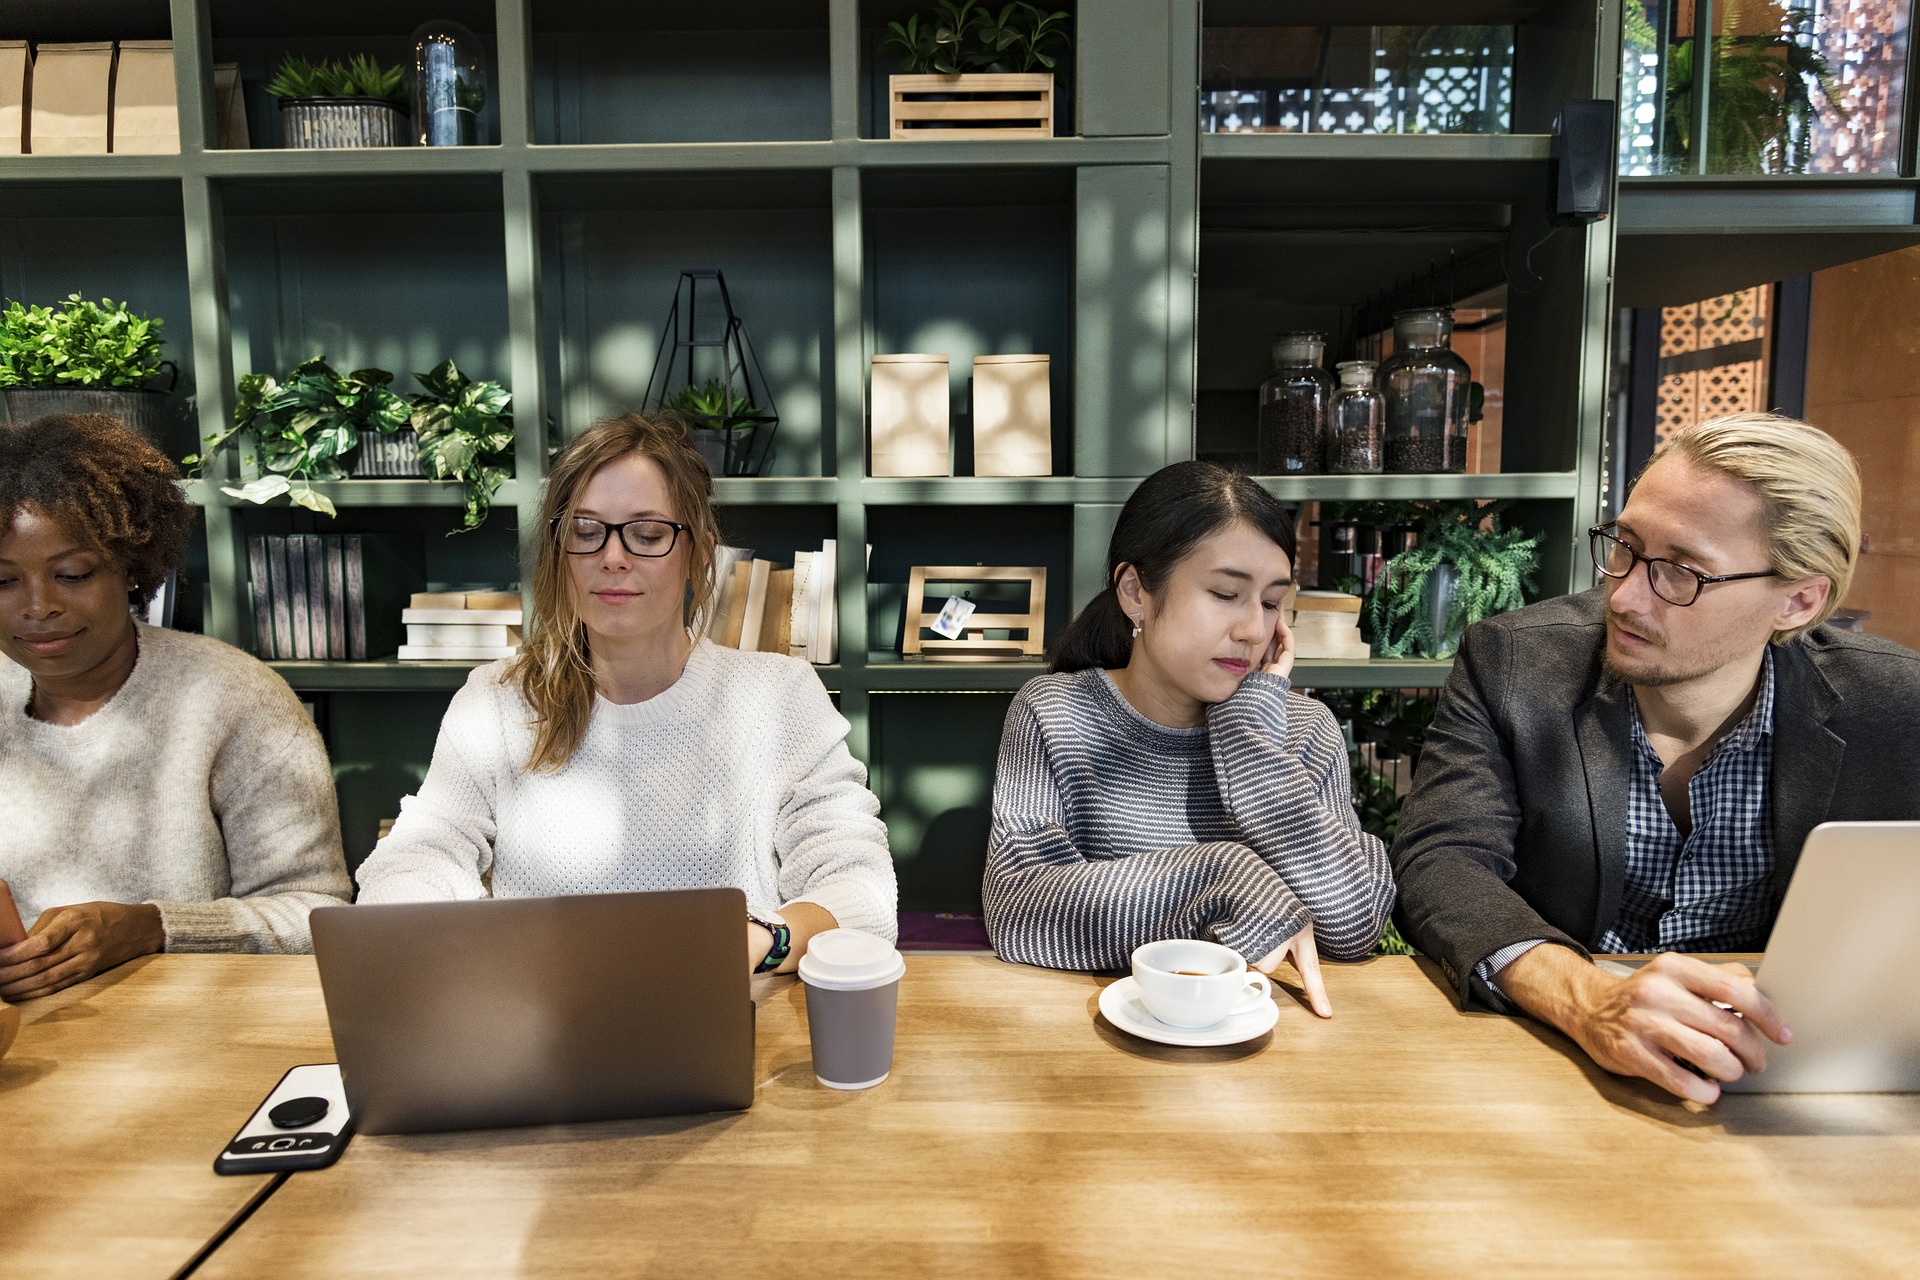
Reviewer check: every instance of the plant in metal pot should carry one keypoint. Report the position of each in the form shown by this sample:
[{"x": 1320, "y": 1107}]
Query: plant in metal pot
[
  {"x": 358, "y": 77},
  {"x": 303, "y": 427},
  {"x": 356, "y": 103},
  {"x": 1464, "y": 567},
  {"x": 81, "y": 356}
]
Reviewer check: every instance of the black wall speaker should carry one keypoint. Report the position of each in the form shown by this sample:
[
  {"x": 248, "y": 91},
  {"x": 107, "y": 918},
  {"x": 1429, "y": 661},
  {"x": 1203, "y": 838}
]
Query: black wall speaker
[{"x": 1584, "y": 134}]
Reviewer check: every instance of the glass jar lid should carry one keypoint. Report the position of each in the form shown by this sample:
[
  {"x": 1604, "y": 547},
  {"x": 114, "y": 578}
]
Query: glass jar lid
[
  {"x": 1304, "y": 347},
  {"x": 1355, "y": 373},
  {"x": 1423, "y": 327}
]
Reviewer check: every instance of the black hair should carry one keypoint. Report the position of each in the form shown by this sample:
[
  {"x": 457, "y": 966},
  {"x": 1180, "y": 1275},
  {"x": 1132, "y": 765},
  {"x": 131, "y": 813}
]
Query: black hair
[
  {"x": 1172, "y": 512},
  {"x": 106, "y": 485}
]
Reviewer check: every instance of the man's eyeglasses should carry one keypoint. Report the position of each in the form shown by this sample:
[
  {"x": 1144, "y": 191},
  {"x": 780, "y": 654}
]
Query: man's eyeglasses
[
  {"x": 1671, "y": 581},
  {"x": 585, "y": 536}
]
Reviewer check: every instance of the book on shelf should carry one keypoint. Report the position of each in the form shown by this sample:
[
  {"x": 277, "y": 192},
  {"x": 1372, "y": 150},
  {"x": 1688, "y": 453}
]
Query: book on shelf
[
  {"x": 462, "y": 625},
  {"x": 724, "y": 559},
  {"x": 779, "y": 608},
  {"x": 311, "y": 596}
]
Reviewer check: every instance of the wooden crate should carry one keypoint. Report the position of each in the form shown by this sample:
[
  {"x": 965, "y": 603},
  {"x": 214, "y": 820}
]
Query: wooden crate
[{"x": 1015, "y": 105}]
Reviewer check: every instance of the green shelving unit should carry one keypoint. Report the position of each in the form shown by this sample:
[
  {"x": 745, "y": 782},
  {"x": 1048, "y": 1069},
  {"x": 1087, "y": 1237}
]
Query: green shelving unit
[{"x": 1146, "y": 258}]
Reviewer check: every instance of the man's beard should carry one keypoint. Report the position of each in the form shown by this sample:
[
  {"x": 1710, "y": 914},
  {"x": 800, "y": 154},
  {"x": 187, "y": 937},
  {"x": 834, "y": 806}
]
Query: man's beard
[{"x": 1659, "y": 669}]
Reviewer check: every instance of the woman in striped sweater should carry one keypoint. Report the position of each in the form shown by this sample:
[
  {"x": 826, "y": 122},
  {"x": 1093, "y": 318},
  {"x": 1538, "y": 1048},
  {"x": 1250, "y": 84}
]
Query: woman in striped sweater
[{"x": 1163, "y": 782}]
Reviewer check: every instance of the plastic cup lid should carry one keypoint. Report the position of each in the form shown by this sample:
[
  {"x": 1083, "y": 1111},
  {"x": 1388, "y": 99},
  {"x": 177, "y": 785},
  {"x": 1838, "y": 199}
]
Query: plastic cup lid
[{"x": 850, "y": 960}]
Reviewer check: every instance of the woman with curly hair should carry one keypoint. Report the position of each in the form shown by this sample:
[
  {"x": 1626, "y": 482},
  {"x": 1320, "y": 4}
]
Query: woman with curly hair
[{"x": 164, "y": 791}]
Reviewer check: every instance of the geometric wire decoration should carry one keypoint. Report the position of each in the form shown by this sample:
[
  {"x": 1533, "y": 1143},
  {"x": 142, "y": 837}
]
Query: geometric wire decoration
[
  {"x": 1715, "y": 358},
  {"x": 734, "y": 443}
]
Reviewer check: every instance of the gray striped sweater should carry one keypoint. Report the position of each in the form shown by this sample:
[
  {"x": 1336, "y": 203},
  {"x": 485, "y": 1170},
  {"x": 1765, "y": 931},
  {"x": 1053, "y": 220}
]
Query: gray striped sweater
[{"x": 1110, "y": 831}]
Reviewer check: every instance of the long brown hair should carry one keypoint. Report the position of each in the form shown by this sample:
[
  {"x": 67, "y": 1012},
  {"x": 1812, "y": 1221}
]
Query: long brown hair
[{"x": 554, "y": 671}]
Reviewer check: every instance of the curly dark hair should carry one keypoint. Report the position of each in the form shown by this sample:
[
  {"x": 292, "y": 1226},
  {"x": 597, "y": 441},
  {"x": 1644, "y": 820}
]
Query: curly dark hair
[{"x": 105, "y": 484}]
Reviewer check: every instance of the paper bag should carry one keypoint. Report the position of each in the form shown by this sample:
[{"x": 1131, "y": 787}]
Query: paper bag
[
  {"x": 72, "y": 94},
  {"x": 910, "y": 404},
  {"x": 1012, "y": 416},
  {"x": 16, "y": 83},
  {"x": 146, "y": 111}
]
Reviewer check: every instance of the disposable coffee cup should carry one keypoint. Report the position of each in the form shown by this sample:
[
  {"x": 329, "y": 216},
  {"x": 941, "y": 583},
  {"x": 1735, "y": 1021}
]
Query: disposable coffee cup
[{"x": 853, "y": 991}]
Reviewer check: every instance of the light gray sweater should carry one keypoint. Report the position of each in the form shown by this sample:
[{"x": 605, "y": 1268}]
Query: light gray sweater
[
  {"x": 1110, "y": 830},
  {"x": 737, "y": 775},
  {"x": 201, "y": 787}
]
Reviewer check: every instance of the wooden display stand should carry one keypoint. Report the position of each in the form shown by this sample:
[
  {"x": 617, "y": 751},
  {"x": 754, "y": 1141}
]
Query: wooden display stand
[
  {"x": 995, "y": 106},
  {"x": 975, "y": 647}
]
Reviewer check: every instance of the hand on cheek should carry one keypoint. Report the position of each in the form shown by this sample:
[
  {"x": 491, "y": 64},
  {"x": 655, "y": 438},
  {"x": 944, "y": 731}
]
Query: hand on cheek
[{"x": 1278, "y": 659}]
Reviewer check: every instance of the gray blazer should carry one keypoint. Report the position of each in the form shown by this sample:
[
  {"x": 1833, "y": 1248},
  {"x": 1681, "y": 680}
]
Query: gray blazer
[{"x": 1516, "y": 827}]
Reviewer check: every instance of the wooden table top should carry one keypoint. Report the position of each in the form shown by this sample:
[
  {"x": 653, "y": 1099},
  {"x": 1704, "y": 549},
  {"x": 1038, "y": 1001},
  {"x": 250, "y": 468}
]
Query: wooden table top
[
  {"x": 117, "y": 1096},
  {"x": 1022, "y": 1135}
]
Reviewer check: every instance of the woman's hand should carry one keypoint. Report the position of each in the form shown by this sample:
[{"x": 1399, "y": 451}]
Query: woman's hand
[
  {"x": 804, "y": 919},
  {"x": 1306, "y": 960},
  {"x": 71, "y": 944},
  {"x": 1278, "y": 660}
]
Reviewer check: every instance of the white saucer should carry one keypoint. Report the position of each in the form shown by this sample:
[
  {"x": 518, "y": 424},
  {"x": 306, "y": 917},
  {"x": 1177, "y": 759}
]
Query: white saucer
[{"x": 1120, "y": 1001}]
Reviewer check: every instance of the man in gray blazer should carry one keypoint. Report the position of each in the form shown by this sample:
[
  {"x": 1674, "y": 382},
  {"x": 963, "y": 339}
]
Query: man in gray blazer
[{"x": 1634, "y": 769}]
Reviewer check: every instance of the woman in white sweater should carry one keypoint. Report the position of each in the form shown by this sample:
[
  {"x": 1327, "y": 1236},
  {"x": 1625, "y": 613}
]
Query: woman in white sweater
[
  {"x": 618, "y": 752},
  {"x": 162, "y": 791}
]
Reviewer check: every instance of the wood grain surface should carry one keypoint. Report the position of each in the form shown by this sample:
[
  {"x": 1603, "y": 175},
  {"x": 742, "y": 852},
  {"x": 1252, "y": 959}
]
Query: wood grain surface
[
  {"x": 1022, "y": 1135},
  {"x": 119, "y": 1093}
]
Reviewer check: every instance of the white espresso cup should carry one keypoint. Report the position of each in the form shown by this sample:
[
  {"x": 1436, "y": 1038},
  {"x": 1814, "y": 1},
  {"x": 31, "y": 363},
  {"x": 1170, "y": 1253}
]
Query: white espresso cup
[{"x": 1188, "y": 983}]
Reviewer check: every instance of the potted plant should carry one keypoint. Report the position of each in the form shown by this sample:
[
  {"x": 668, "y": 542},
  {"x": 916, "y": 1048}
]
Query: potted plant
[
  {"x": 356, "y": 103},
  {"x": 972, "y": 72},
  {"x": 304, "y": 429},
  {"x": 80, "y": 356},
  {"x": 1464, "y": 567},
  {"x": 722, "y": 424}
]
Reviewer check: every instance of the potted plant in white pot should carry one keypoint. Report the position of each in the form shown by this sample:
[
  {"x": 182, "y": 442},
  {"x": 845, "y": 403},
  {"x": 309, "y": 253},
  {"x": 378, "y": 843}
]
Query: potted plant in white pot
[
  {"x": 80, "y": 356},
  {"x": 356, "y": 103},
  {"x": 973, "y": 72}
]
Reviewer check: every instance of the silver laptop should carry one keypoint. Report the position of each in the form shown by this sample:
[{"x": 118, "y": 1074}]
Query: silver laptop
[
  {"x": 1839, "y": 965},
  {"x": 478, "y": 1015}
]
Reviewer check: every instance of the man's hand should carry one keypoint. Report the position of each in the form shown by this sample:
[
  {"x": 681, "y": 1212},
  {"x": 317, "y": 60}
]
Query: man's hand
[
  {"x": 1650, "y": 1024},
  {"x": 71, "y": 944}
]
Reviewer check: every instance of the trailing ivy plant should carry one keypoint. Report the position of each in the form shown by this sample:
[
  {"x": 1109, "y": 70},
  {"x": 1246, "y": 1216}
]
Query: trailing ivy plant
[
  {"x": 463, "y": 424},
  {"x": 304, "y": 426},
  {"x": 78, "y": 343},
  {"x": 958, "y": 36},
  {"x": 1492, "y": 567},
  {"x": 357, "y": 77}
]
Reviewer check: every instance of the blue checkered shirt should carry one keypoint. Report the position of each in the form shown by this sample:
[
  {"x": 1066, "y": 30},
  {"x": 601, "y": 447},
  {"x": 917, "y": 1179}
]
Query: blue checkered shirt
[{"x": 1711, "y": 889}]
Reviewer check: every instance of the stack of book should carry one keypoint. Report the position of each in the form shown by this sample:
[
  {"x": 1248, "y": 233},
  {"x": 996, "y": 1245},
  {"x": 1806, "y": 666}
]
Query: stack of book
[
  {"x": 310, "y": 594},
  {"x": 462, "y": 625},
  {"x": 776, "y": 608}
]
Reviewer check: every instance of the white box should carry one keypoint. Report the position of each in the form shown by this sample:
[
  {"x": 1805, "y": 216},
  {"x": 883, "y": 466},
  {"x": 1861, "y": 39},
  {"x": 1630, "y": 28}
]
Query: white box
[
  {"x": 16, "y": 91},
  {"x": 910, "y": 404},
  {"x": 462, "y": 636},
  {"x": 72, "y": 99},
  {"x": 1012, "y": 415},
  {"x": 146, "y": 106}
]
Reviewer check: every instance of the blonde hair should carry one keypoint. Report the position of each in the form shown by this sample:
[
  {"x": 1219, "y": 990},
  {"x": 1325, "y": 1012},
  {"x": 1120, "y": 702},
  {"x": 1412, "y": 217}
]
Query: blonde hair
[
  {"x": 1809, "y": 488},
  {"x": 554, "y": 671}
]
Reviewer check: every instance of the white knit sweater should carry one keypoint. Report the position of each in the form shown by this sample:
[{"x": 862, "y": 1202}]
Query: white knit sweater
[
  {"x": 737, "y": 775},
  {"x": 201, "y": 787}
]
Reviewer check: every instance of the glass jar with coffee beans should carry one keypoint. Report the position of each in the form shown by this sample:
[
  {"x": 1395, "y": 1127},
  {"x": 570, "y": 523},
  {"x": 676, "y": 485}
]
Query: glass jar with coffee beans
[
  {"x": 1356, "y": 422},
  {"x": 1426, "y": 385},
  {"x": 1293, "y": 406}
]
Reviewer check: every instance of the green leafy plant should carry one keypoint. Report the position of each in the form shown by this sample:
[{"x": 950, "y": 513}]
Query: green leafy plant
[
  {"x": 1761, "y": 104},
  {"x": 711, "y": 401},
  {"x": 957, "y": 36},
  {"x": 303, "y": 426},
  {"x": 1491, "y": 569},
  {"x": 462, "y": 424},
  {"x": 78, "y": 343},
  {"x": 358, "y": 77}
]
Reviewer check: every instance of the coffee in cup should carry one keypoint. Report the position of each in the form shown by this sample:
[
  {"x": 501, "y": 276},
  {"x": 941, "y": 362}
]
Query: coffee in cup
[
  {"x": 853, "y": 991},
  {"x": 1187, "y": 983}
]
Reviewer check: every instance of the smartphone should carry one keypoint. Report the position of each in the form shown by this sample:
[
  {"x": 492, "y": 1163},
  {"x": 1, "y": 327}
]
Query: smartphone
[
  {"x": 11, "y": 930},
  {"x": 303, "y": 1124}
]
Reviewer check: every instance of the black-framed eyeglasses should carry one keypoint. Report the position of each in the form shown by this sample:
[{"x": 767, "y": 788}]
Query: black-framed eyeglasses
[
  {"x": 585, "y": 536},
  {"x": 1673, "y": 582}
]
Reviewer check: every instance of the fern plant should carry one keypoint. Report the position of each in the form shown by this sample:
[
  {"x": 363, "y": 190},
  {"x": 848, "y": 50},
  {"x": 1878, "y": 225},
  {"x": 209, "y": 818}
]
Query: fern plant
[{"x": 1491, "y": 568}]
